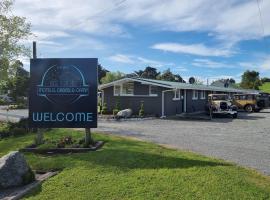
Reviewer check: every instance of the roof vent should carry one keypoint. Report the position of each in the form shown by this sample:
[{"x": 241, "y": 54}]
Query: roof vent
[{"x": 191, "y": 80}]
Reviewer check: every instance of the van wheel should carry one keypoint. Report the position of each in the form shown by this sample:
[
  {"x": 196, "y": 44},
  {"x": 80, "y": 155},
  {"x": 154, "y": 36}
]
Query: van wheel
[{"x": 248, "y": 108}]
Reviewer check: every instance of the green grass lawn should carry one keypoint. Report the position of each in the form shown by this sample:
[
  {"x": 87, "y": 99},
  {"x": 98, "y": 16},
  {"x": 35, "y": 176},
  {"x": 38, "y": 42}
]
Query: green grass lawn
[
  {"x": 265, "y": 87},
  {"x": 130, "y": 169}
]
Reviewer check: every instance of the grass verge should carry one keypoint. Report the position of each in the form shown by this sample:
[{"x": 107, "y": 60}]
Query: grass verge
[
  {"x": 130, "y": 169},
  {"x": 265, "y": 87}
]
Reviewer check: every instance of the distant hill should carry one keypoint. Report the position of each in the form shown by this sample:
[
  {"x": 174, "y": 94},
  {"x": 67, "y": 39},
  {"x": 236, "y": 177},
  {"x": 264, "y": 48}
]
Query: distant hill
[{"x": 265, "y": 87}]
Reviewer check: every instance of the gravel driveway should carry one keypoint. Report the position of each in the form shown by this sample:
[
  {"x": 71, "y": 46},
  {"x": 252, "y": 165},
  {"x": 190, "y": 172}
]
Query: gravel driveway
[{"x": 245, "y": 140}]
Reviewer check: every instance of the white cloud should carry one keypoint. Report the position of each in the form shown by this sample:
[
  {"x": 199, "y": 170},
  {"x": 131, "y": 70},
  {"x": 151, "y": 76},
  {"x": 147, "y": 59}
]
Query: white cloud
[
  {"x": 46, "y": 35},
  {"x": 231, "y": 20},
  {"x": 122, "y": 59},
  {"x": 206, "y": 63},
  {"x": 266, "y": 64},
  {"x": 180, "y": 69},
  {"x": 194, "y": 49},
  {"x": 138, "y": 60}
]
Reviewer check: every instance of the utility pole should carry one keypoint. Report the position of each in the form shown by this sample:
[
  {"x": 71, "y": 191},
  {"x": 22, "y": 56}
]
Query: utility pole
[
  {"x": 34, "y": 50},
  {"x": 39, "y": 138}
]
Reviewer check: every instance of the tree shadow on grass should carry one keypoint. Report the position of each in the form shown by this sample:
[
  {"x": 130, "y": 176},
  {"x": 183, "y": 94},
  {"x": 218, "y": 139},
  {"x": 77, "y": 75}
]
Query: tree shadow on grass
[{"x": 125, "y": 160}]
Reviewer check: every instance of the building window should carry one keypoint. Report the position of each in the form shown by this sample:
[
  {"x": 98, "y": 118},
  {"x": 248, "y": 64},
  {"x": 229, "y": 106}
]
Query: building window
[
  {"x": 177, "y": 95},
  {"x": 153, "y": 90},
  {"x": 117, "y": 89},
  {"x": 128, "y": 88},
  {"x": 202, "y": 94},
  {"x": 195, "y": 94}
]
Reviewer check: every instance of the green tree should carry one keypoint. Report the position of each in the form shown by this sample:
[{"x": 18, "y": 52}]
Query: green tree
[
  {"x": 221, "y": 82},
  {"x": 167, "y": 75},
  {"x": 251, "y": 80},
  {"x": 148, "y": 72},
  {"x": 13, "y": 30},
  {"x": 265, "y": 80},
  {"x": 112, "y": 76},
  {"x": 18, "y": 84},
  {"x": 101, "y": 72}
]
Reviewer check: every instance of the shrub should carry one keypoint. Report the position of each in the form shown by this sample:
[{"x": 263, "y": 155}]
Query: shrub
[
  {"x": 104, "y": 109},
  {"x": 17, "y": 106},
  {"x": 115, "y": 111},
  {"x": 16, "y": 131},
  {"x": 61, "y": 144},
  {"x": 68, "y": 140},
  {"x": 2, "y": 102},
  {"x": 4, "y": 130},
  {"x": 141, "y": 111}
]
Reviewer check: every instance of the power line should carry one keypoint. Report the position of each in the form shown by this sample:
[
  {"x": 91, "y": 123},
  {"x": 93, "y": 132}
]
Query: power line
[
  {"x": 116, "y": 5},
  {"x": 260, "y": 16}
]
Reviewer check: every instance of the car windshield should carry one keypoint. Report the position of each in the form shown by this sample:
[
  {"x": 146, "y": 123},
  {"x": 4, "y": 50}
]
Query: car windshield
[{"x": 220, "y": 97}]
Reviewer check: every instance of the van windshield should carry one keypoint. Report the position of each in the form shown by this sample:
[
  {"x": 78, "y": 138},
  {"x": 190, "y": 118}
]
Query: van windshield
[{"x": 220, "y": 97}]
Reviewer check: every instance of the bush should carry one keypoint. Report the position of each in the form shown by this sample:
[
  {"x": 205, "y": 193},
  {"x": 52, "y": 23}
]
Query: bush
[
  {"x": 141, "y": 111},
  {"x": 104, "y": 109},
  {"x": 2, "y": 102},
  {"x": 17, "y": 106},
  {"x": 4, "y": 130},
  {"x": 16, "y": 131},
  {"x": 115, "y": 111}
]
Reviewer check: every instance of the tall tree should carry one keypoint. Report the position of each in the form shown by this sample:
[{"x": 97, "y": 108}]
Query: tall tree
[
  {"x": 148, "y": 72},
  {"x": 223, "y": 81},
  {"x": 250, "y": 80},
  {"x": 18, "y": 85},
  {"x": 101, "y": 72},
  {"x": 265, "y": 80},
  {"x": 232, "y": 81},
  {"x": 112, "y": 76},
  {"x": 167, "y": 75},
  {"x": 13, "y": 29}
]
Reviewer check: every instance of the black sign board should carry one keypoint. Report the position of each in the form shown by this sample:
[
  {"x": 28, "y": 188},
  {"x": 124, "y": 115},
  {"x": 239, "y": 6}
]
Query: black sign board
[{"x": 63, "y": 93}]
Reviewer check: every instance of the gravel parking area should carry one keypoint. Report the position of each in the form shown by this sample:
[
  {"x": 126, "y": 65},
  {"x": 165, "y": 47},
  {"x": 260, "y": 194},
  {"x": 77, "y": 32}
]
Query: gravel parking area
[{"x": 245, "y": 140}]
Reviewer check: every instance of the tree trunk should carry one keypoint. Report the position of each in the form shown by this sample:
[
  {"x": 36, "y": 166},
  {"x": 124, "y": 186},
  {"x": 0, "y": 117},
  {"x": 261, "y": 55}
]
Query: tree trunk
[{"x": 88, "y": 137}]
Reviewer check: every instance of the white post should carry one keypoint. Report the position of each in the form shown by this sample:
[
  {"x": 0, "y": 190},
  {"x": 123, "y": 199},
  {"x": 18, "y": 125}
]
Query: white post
[
  {"x": 185, "y": 101},
  {"x": 162, "y": 112},
  {"x": 163, "y": 106},
  {"x": 102, "y": 97}
]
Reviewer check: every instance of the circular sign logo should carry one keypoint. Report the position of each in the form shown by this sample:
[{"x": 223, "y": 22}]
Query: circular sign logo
[{"x": 63, "y": 85}]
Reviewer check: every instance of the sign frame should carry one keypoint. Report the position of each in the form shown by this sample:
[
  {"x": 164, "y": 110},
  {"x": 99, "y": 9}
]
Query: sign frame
[{"x": 63, "y": 93}]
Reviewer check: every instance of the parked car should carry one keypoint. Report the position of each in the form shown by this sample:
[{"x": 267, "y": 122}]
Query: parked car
[
  {"x": 6, "y": 99},
  {"x": 248, "y": 102},
  {"x": 220, "y": 104},
  {"x": 264, "y": 100}
]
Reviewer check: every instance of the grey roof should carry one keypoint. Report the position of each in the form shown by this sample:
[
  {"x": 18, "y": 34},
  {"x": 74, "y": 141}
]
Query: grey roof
[{"x": 178, "y": 85}]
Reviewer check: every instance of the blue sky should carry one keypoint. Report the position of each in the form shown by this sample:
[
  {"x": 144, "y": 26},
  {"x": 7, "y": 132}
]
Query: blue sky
[{"x": 207, "y": 39}]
